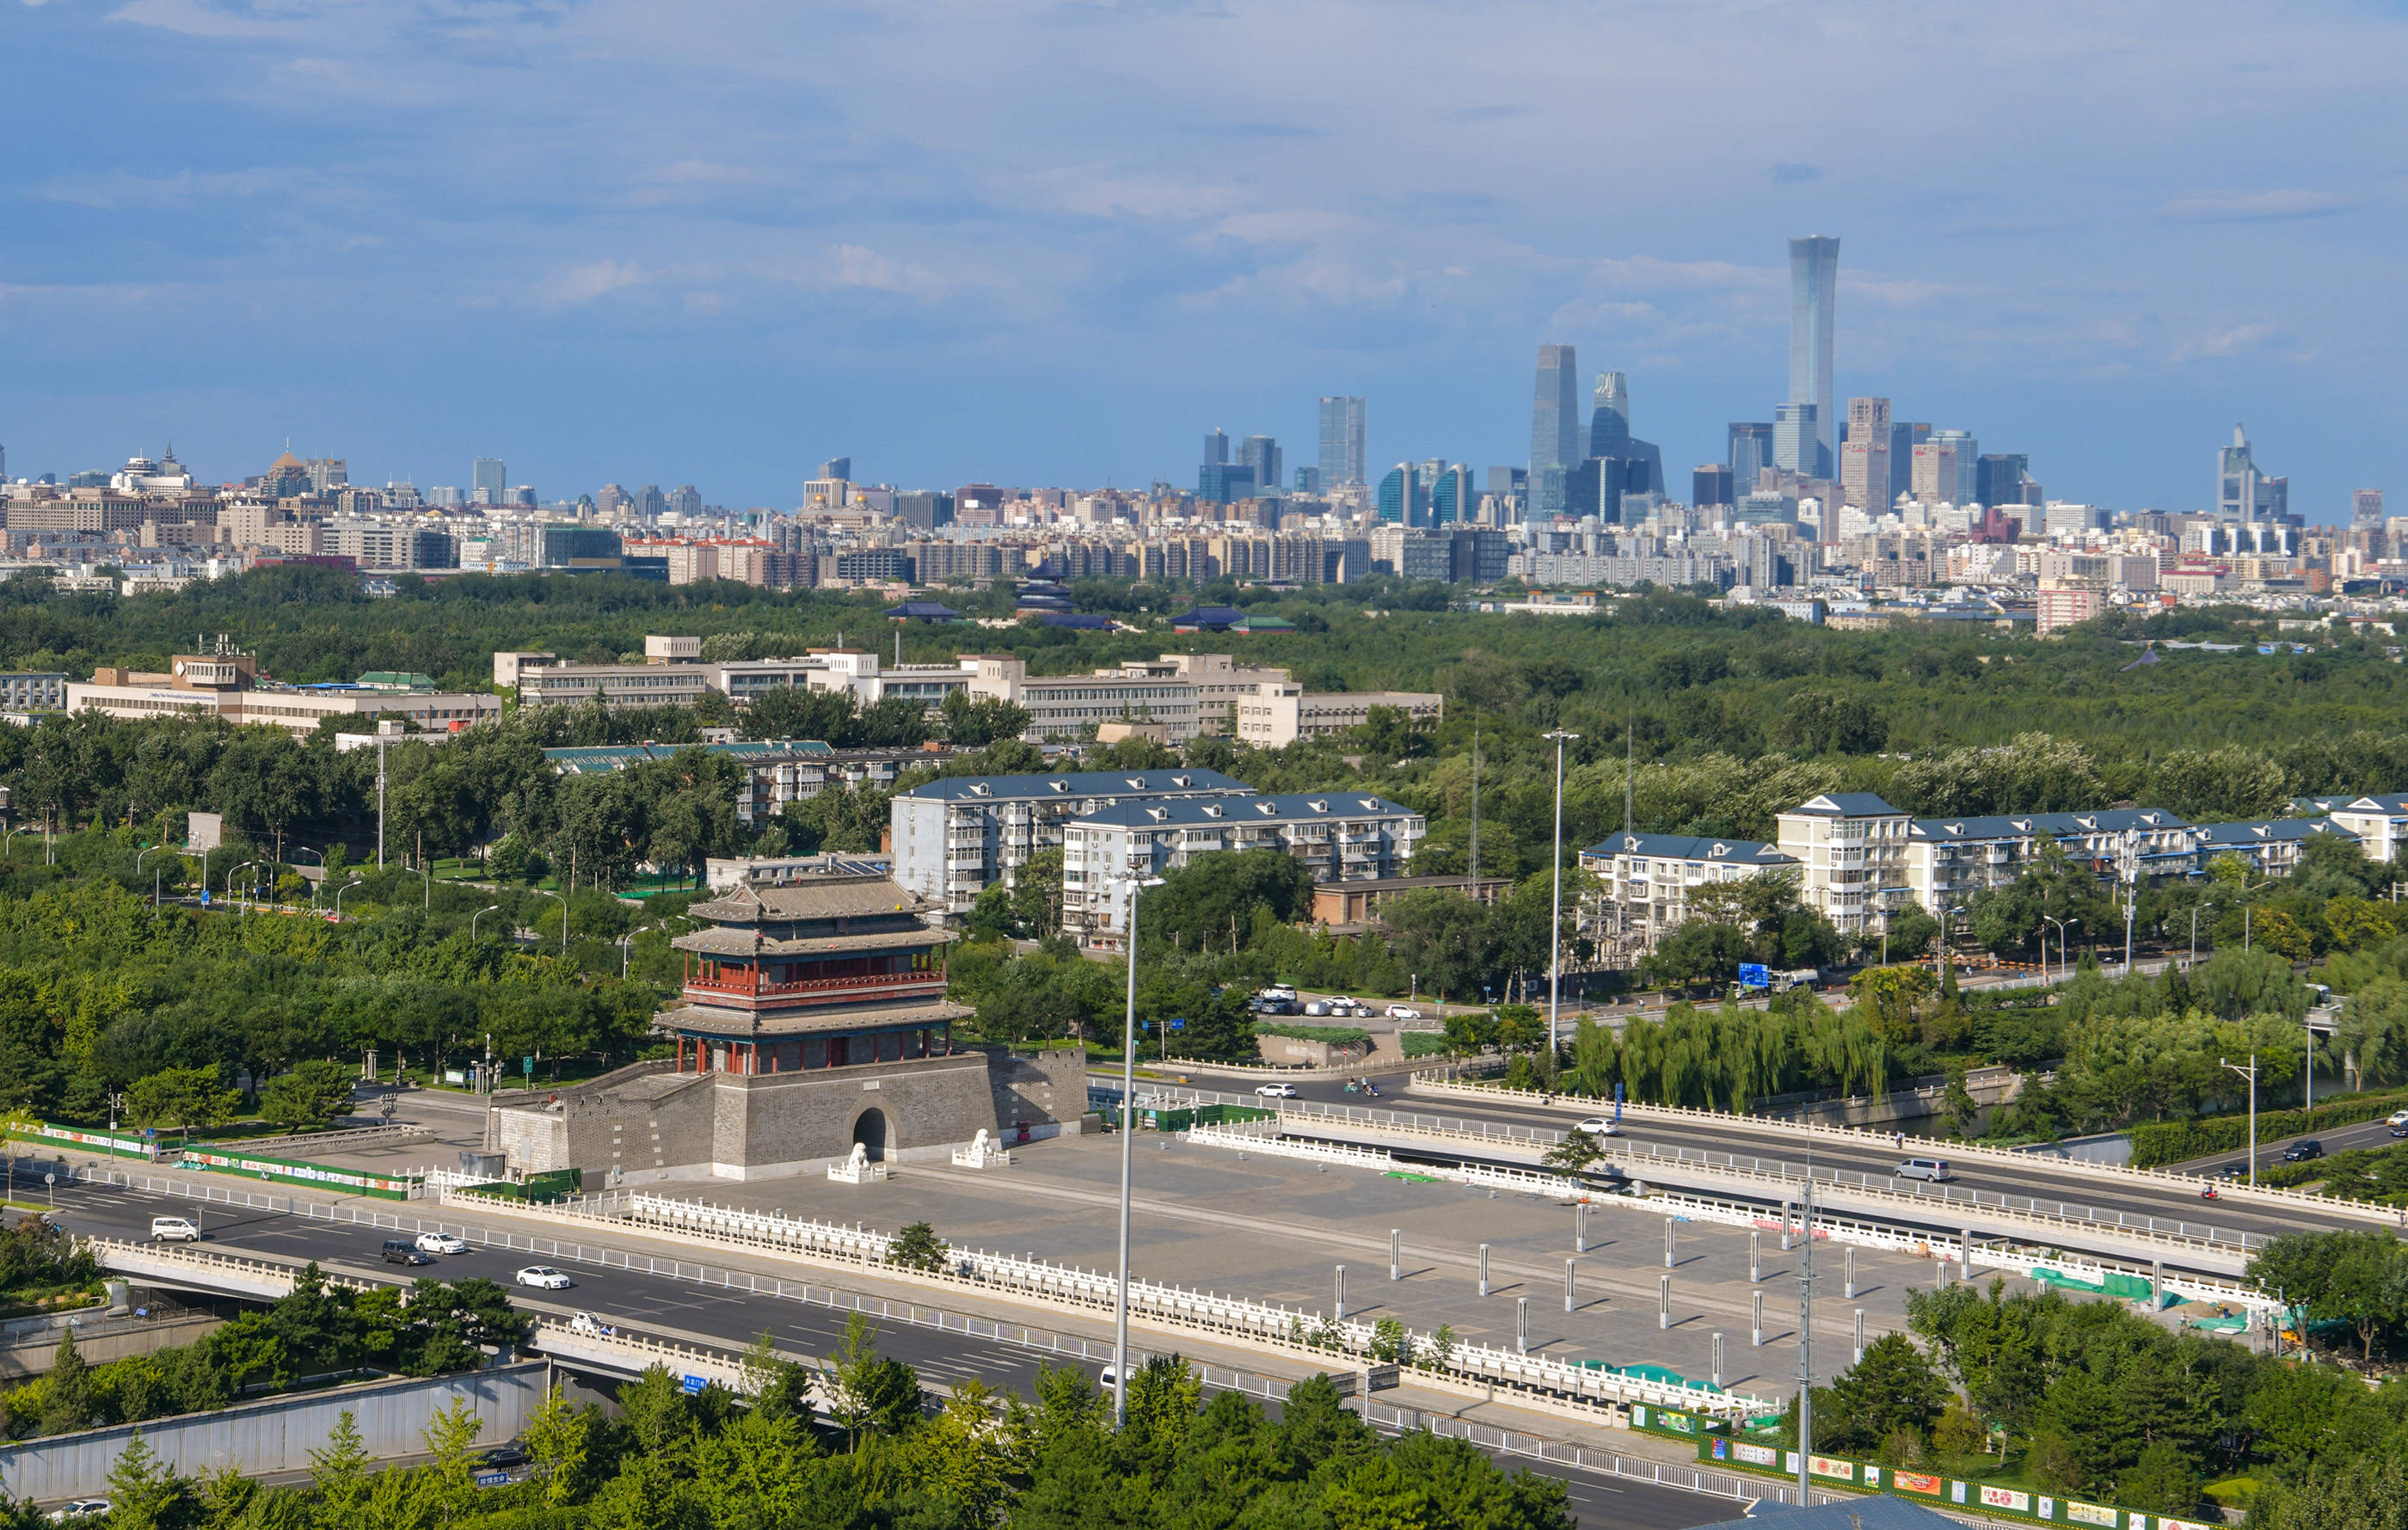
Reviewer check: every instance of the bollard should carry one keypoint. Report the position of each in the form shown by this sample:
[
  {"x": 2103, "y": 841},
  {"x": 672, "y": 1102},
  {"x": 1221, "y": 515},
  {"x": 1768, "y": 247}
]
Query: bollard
[
  {"x": 1568, "y": 1285},
  {"x": 1664, "y": 1305},
  {"x": 1580, "y": 1227},
  {"x": 1940, "y": 1271},
  {"x": 1755, "y": 1327},
  {"x": 1718, "y": 1360},
  {"x": 1484, "y": 1270},
  {"x": 2156, "y": 1284},
  {"x": 1522, "y": 1325},
  {"x": 1785, "y": 1226},
  {"x": 1396, "y": 1253},
  {"x": 1341, "y": 1293},
  {"x": 1860, "y": 1336},
  {"x": 1754, "y": 1255},
  {"x": 1851, "y": 1291},
  {"x": 1668, "y": 1243},
  {"x": 1965, "y": 1255}
]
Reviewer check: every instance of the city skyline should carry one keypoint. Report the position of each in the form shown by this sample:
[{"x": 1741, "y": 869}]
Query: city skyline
[{"x": 768, "y": 264}]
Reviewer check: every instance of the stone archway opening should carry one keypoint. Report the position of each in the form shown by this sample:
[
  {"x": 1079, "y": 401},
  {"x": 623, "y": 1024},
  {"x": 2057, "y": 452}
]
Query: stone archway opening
[{"x": 870, "y": 1131}]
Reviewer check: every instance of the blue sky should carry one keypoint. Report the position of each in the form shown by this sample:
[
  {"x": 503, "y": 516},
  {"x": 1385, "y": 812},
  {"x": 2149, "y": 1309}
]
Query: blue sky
[{"x": 1054, "y": 243}]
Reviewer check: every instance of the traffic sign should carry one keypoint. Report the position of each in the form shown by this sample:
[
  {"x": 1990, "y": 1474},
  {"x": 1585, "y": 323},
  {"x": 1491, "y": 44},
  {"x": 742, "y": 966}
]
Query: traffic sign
[{"x": 1755, "y": 974}]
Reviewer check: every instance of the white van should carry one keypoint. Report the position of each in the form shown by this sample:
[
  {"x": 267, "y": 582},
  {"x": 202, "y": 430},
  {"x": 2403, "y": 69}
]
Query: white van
[
  {"x": 1933, "y": 1169},
  {"x": 174, "y": 1230}
]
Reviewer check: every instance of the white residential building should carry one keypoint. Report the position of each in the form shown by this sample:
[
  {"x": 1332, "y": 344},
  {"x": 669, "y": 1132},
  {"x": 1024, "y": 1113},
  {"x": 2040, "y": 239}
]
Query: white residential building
[
  {"x": 1064, "y": 706},
  {"x": 1281, "y": 712},
  {"x": 2380, "y": 824},
  {"x": 1644, "y": 880},
  {"x": 1950, "y": 859},
  {"x": 952, "y": 837},
  {"x": 1342, "y": 836},
  {"x": 1851, "y": 852}
]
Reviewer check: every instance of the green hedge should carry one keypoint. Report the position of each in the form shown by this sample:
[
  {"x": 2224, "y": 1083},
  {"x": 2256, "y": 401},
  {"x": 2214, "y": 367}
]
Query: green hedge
[
  {"x": 2161, "y": 1142},
  {"x": 1336, "y": 1036},
  {"x": 1424, "y": 1043}
]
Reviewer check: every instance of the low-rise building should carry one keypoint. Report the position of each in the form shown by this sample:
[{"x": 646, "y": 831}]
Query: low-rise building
[
  {"x": 1066, "y": 707},
  {"x": 33, "y": 690},
  {"x": 1344, "y": 908},
  {"x": 1642, "y": 882},
  {"x": 1341, "y": 837},
  {"x": 614, "y": 686},
  {"x": 1950, "y": 859},
  {"x": 1851, "y": 852},
  {"x": 2379, "y": 823},
  {"x": 1281, "y": 712},
  {"x": 2272, "y": 846},
  {"x": 952, "y": 837}
]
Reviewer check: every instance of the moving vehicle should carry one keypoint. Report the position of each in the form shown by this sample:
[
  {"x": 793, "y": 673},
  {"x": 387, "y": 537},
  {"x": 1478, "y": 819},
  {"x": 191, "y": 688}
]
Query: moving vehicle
[
  {"x": 502, "y": 1458},
  {"x": 1929, "y": 1170},
  {"x": 1275, "y": 1091},
  {"x": 543, "y": 1278},
  {"x": 591, "y": 1326},
  {"x": 2209, "y": 1194},
  {"x": 1597, "y": 1126},
  {"x": 174, "y": 1230},
  {"x": 2301, "y": 1152},
  {"x": 79, "y": 1508},
  {"x": 401, "y": 1251},
  {"x": 441, "y": 1243},
  {"x": 2398, "y": 1121},
  {"x": 2233, "y": 1171},
  {"x": 1403, "y": 1011}
]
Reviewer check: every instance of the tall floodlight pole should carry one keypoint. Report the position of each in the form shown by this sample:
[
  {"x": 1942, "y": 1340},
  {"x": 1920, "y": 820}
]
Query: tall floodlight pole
[
  {"x": 1128, "y": 1140},
  {"x": 1806, "y": 1345},
  {"x": 2249, "y": 1073},
  {"x": 1556, "y": 916}
]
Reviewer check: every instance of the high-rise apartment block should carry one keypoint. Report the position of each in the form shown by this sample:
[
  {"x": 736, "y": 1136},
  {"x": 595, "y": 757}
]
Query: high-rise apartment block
[
  {"x": 1341, "y": 440},
  {"x": 1814, "y": 280},
  {"x": 2366, "y": 508},
  {"x": 1864, "y": 456}
]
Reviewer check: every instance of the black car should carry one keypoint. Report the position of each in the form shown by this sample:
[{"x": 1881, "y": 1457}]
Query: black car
[
  {"x": 503, "y": 1458},
  {"x": 401, "y": 1251},
  {"x": 2300, "y": 1153},
  {"x": 2233, "y": 1171}
]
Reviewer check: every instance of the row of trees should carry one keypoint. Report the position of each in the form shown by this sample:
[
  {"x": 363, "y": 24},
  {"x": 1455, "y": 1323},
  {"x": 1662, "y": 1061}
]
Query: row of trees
[
  {"x": 429, "y": 1329},
  {"x": 848, "y": 1446}
]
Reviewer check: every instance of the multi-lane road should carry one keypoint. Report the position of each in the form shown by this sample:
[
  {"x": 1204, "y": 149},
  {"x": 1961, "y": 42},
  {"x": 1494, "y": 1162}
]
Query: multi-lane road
[{"x": 734, "y": 1318}]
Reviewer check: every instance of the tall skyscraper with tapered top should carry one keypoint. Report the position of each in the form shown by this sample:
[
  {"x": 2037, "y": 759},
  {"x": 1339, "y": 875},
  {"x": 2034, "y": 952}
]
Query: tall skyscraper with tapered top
[{"x": 1813, "y": 279}]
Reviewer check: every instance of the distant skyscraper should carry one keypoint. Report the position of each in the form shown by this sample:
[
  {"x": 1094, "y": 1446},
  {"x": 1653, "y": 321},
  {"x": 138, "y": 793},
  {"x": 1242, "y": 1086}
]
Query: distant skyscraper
[
  {"x": 1453, "y": 500},
  {"x": 1796, "y": 444},
  {"x": 1262, "y": 454},
  {"x": 1710, "y": 484},
  {"x": 1946, "y": 471},
  {"x": 685, "y": 499},
  {"x": 1341, "y": 440},
  {"x": 1555, "y": 426},
  {"x": 1813, "y": 277},
  {"x": 650, "y": 502},
  {"x": 1904, "y": 437},
  {"x": 1401, "y": 503},
  {"x": 488, "y": 474},
  {"x": 2366, "y": 508},
  {"x": 837, "y": 467},
  {"x": 1998, "y": 478},
  {"x": 1864, "y": 456},
  {"x": 1216, "y": 448},
  {"x": 2241, "y": 491},
  {"x": 1965, "y": 456},
  {"x": 1308, "y": 481},
  {"x": 1608, "y": 422},
  {"x": 1751, "y": 452}
]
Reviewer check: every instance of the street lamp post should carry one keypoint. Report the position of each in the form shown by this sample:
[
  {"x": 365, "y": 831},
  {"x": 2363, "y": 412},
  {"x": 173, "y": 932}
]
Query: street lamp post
[
  {"x": 357, "y": 881},
  {"x": 2246, "y": 908},
  {"x": 477, "y": 915},
  {"x": 1129, "y": 1128},
  {"x": 2196, "y": 910},
  {"x": 229, "y": 876},
  {"x": 2060, "y": 924},
  {"x": 2249, "y": 1073},
  {"x": 1556, "y": 916},
  {"x": 137, "y": 872},
  {"x": 563, "y": 916}
]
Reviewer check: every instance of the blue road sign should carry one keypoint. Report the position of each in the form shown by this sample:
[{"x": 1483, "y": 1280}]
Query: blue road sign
[{"x": 1755, "y": 974}]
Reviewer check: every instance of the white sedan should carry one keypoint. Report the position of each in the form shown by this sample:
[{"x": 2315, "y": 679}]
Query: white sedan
[
  {"x": 441, "y": 1243},
  {"x": 1403, "y": 1011},
  {"x": 1275, "y": 1091},
  {"x": 543, "y": 1278},
  {"x": 1598, "y": 1127},
  {"x": 79, "y": 1508}
]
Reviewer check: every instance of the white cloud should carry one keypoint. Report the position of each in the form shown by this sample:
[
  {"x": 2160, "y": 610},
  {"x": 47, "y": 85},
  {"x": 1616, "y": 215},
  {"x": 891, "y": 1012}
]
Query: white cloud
[
  {"x": 584, "y": 284},
  {"x": 2254, "y": 206}
]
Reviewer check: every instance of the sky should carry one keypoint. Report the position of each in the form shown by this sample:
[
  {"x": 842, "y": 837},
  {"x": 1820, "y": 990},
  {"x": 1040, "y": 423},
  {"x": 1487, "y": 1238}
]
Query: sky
[{"x": 716, "y": 243}]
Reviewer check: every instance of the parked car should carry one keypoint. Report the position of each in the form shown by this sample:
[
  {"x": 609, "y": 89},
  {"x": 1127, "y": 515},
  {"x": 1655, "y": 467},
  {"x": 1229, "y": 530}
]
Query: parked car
[
  {"x": 1598, "y": 1127},
  {"x": 401, "y": 1251},
  {"x": 1275, "y": 1091},
  {"x": 1403, "y": 1011},
  {"x": 543, "y": 1278},
  {"x": 1280, "y": 993},
  {"x": 502, "y": 1458},
  {"x": 2301, "y": 1152},
  {"x": 174, "y": 1230},
  {"x": 1930, "y": 1170},
  {"x": 79, "y": 1508},
  {"x": 441, "y": 1243},
  {"x": 1318, "y": 1007},
  {"x": 591, "y": 1326}
]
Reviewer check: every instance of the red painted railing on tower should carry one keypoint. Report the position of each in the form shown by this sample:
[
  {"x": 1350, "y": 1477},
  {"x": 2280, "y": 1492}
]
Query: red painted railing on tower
[{"x": 730, "y": 983}]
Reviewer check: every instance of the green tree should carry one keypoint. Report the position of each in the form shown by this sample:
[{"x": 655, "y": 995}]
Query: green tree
[
  {"x": 338, "y": 1474},
  {"x": 559, "y": 1442},
  {"x": 313, "y": 1093},
  {"x": 447, "y": 1482},
  {"x": 144, "y": 1492},
  {"x": 869, "y": 1395},
  {"x": 916, "y": 1246},
  {"x": 1892, "y": 1391}
]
